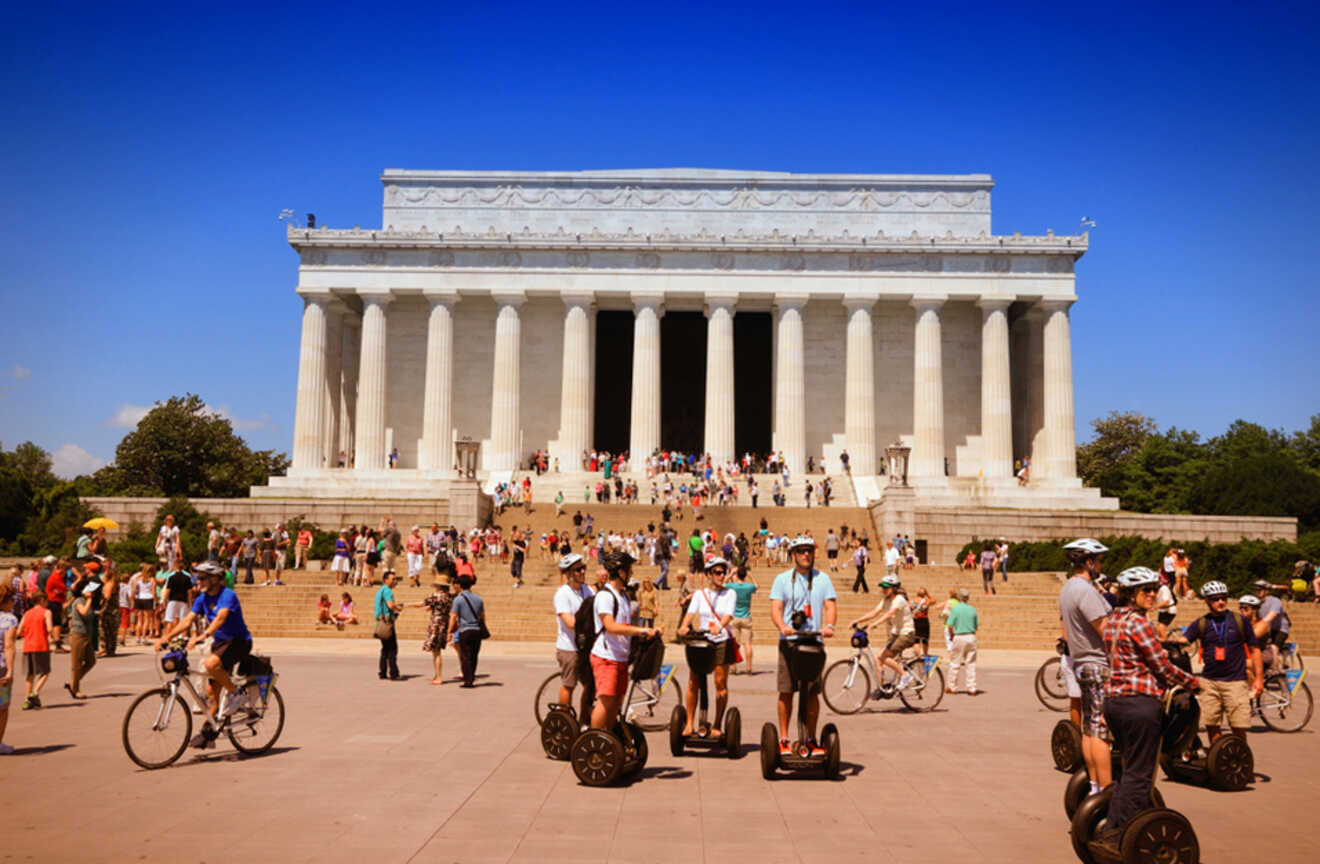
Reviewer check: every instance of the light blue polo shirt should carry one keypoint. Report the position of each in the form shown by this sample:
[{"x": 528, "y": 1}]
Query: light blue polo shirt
[{"x": 791, "y": 588}]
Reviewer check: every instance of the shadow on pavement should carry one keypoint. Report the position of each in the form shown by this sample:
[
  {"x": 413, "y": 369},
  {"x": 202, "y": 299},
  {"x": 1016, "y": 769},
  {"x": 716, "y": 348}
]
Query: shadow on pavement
[
  {"x": 662, "y": 773},
  {"x": 38, "y": 751},
  {"x": 231, "y": 756}
]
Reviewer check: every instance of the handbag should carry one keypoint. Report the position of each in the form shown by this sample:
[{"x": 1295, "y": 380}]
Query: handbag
[
  {"x": 384, "y": 627},
  {"x": 483, "y": 632},
  {"x": 734, "y": 648}
]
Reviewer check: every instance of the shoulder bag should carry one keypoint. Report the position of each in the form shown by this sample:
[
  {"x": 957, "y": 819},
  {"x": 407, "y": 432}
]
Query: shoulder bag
[
  {"x": 482, "y": 632},
  {"x": 734, "y": 648}
]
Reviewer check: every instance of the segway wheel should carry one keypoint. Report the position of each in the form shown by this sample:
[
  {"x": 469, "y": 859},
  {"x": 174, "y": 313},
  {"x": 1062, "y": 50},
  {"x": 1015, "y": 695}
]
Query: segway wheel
[
  {"x": 830, "y": 742},
  {"x": 1066, "y": 746},
  {"x": 640, "y": 748},
  {"x": 1090, "y": 813},
  {"x": 557, "y": 733},
  {"x": 597, "y": 758},
  {"x": 677, "y": 720},
  {"x": 1230, "y": 764},
  {"x": 1079, "y": 784},
  {"x": 1160, "y": 835},
  {"x": 769, "y": 750},
  {"x": 733, "y": 733}
]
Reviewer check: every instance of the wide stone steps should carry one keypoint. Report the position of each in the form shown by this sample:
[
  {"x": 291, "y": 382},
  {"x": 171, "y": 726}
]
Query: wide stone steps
[{"x": 574, "y": 483}]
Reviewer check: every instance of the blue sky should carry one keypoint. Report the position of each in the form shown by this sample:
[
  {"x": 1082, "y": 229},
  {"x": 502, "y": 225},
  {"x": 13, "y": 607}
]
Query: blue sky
[{"x": 149, "y": 149}]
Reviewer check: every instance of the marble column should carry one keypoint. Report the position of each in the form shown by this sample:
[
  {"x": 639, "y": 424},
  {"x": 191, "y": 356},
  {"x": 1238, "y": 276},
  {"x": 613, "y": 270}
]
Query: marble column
[
  {"x": 719, "y": 377},
  {"x": 505, "y": 383},
  {"x": 644, "y": 433},
  {"x": 996, "y": 390},
  {"x": 859, "y": 386},
  {"x": 350, "y": 344},
  {"x": 309, "y": 411},
  {"x": 575, "y": 395},
  {"x": 790, "y": 431},
  {"x": 1019, "y": 339},
  {"x": 1060, "y": 462},
  {"x": 1036, "y": 389},
  {"x": 369, "y": 442},
  {"x": 438, "y": 395},
  {"x": 333, "y": 389},
  {"x": 926, "y": 464}
]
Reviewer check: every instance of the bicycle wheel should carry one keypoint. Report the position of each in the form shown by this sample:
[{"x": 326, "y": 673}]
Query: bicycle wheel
[
  {"x": 846, "y": 686},
  {"x": 545, "y": 694},
  {"x": 254, "y": 731},
  {"x": 927, "y": 693},
  {"x": 1050, "y": 687},
  {"x": 1281, "y": 711},
  {"x": 646, "y": 709},
  {"x": 157, "y": 728}
]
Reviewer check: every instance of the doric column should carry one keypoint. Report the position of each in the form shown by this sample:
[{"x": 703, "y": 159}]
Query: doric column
[
  {"x": 333, "y": 374},
  {"x": 644, "y": 434},
  {"x": 309, "y": 413},
  {"x": 1036, "y": 389},
  {"x": 575, "y": 394},
  {"x": 505, "y": 383},
  {"x": 859, "y": 387},
  {"x": 1060, "y": 462},
  {"x": 438, "y": 396},
  {"x": 790, "y": 434},
  {"x": 719, "y": 377},
  {"x": 996, "y": 389},
  {"x": 369, "y": 441},
  {"x": 350, "y": 345},
  {"x": 927, "y": 460}
]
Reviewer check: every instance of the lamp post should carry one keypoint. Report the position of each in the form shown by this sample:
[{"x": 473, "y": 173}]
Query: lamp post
[
  {"x": 467, "y": 457},
  {"x": 896, "y": 458}
]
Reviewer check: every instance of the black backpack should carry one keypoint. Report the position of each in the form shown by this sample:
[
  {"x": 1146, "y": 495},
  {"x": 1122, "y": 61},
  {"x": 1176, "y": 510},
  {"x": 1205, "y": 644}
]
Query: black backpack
[{"x": 584, "y": 625}]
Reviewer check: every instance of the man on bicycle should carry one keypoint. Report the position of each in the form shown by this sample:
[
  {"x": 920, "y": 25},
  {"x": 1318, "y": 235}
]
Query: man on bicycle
[
  {"x": 803, "y": 589},
  {"x": 902, "y": 629},
  {"x": 1271, "y": 612},
  {"x": 1083, "y": 611},
  {"x": 231, "y": 642},
  {"x": 568, "y": 599}
]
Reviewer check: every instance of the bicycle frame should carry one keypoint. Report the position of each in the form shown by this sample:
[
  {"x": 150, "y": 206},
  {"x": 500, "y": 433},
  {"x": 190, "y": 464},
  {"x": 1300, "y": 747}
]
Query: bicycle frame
[
  {"x": 667, "y": 672},
  {"x": 217, "y": 723}
]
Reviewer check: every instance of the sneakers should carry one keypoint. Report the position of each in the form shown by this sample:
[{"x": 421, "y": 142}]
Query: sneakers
[
  {"x": 814, "y": 748},
  {"x": 785, "y": 748},
  {"x": 278, "y": 582},
  {"x": 236, "y": 700},
  {"x": 203, "y": 739},
  {"x": 906, "y": 681}
]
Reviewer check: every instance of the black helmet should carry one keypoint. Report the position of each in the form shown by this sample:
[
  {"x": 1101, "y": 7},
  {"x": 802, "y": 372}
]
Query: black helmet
[{"x": 616, "y": 560}]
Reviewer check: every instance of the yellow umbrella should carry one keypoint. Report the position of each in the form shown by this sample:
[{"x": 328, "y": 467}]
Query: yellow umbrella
[{"x": 102, "y": 522}]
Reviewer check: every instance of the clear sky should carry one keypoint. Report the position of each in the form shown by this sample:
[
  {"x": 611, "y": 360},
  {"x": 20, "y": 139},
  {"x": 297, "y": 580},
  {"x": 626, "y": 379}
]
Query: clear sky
[{"x": 149, "y": 148}]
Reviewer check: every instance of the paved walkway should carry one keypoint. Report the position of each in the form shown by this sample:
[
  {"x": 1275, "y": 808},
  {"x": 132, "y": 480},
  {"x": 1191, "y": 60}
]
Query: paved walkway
[{"x": 374, "y": 770}]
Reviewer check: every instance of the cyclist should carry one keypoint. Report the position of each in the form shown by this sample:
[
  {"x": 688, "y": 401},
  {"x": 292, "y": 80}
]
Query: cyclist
[
  {"x": 568, "y": 599},
  {"x": 1231, "y": 654},
  {"x": 1271, "y": 612},
  {"x": 231, "y": 642},
  {"x": 1249, "y": 606},
  {"x": 895, "y": 609},
  {"x": 802, "y": 588},
  {"x": 1133, "y": 705},
  {"x": 1083, "y": 611},
  {"x": 711, "y": 609},
  {"x": 614, "y": 631}
]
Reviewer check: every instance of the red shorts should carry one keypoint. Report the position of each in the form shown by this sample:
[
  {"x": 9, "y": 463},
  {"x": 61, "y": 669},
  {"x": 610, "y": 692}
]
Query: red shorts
[
  {"x": 611, "y": 676},
  {"x": 123, "y": 618}
]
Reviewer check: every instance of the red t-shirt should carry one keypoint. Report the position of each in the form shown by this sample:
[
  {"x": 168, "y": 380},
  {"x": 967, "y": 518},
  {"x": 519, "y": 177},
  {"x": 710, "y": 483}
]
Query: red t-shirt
[
  {"x": 33, "y": 627},
  {"x": 56, "y": 590}
]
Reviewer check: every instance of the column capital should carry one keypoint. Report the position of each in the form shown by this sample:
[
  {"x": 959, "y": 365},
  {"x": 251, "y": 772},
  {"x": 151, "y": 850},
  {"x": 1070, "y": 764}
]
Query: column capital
[
  {"x": 377, "y": 297},
  {"x": 316, "y": 295},
  {"x": 923, "y": 302},
  {"x": 1057, "y": 304},
  {"x": 648, "y": 300},
  {"x": 509, "y": 298},
  {"x": 864, "y": 300},
  {"x": 577, "y": 297},
  {"x": 992, "y": 302},
  {"x": 716, "y": 301},
  {"x": 785, "y": 302},
  {"x": 441, "y": 296}
]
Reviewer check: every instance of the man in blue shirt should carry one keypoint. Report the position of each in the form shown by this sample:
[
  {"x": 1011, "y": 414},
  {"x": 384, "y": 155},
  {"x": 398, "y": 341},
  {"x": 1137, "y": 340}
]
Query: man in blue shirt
[
  {"x": 809, "y": 591},
  {"x": 231, "y": 643}
]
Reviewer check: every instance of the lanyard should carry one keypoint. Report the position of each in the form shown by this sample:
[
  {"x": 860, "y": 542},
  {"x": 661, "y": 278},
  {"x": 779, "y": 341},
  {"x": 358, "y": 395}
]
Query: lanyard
[{"x": 1219, "y": 631}]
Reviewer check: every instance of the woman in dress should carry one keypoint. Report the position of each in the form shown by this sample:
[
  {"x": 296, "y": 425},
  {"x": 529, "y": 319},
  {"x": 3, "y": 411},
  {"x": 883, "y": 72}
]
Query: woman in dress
[{"x": 440, "y": 602}]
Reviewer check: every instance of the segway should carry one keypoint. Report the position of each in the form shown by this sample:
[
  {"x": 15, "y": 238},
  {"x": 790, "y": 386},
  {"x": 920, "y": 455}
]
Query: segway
[
  {"x": 805, "y": 657},
  {"x": 701, "y": 652},
  {"x": 1079, "y": 785},
  {"x": 1227, "y": 764},
  {"x": 601, "y": 757},
  {"x": 1066, "y": 746}
]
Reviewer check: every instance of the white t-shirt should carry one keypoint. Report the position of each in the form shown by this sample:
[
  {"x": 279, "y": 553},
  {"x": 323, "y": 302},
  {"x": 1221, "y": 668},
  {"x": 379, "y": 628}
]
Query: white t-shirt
[
  {"x": 891, "y": 556},
  {"x": 568, "y": 600},
  {"x": 1168, "y": 563},
  {"x": 609, "y": 645},
  {"x": 901, "y": 624},
  {"x": 723, "y": 602},
  {"x": 1164, "y": 601}
]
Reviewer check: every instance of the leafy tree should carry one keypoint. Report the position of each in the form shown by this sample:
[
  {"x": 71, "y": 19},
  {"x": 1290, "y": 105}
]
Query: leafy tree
[
  {"x": 1101, "y": 462},
  {"x": 181, "y": 448},
  {"x": 1158, "y": 478},
  {"x": 1261, "y": 484},
  {"x": 1243, "y": 440},
  {"x": 1306, "y": 445}
]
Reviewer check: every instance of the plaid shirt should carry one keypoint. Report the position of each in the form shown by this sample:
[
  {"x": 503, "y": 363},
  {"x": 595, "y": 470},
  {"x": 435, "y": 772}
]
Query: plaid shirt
[{"x": 1137, "y": 661}]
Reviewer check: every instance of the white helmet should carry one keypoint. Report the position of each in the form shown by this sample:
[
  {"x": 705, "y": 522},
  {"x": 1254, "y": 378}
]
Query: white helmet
[
  {"x": 1214, "y": 588},
  {"x": 1250, "y": 600},
  {"x": 1136, "y": 577},
  {"x": 567, "y": 562},
  {"x": 801, "y": 540},
  {"x": 1083, "y": 548},
  {"x": 889, "y": 580},
  {"x": 717, "y": 561}
]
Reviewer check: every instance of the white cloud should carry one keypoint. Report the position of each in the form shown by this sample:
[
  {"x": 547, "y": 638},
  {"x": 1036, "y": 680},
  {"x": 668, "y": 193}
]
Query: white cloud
[
  {"x": 128, "y": 416},
  {"x": 20, "y": 372},
  {"x": 240, "y": 424},
  {"x": 70, "y": 460}
]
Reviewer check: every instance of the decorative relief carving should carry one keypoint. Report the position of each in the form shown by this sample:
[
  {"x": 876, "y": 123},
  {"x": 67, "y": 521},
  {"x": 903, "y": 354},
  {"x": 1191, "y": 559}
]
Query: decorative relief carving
[
  {"x": 510, "y": 259},
  {"x": 648, "y": 260},
  {"x": 793, "y": 261},
  {"x": 578, "y": 258},
  {"x": 724, "y": 261},
  {"x": 314, "y": 257},
  {"x": 373, "y": 257},
  {"x": 441, "y": 258}
]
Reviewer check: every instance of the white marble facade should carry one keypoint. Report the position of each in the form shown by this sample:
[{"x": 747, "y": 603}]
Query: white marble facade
[{"x": 896, "y": 314}]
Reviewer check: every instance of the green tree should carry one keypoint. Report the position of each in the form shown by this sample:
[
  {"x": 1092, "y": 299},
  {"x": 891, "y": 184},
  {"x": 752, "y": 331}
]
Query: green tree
[
  {"x": 182, "y": 448},
  {"x": 1306, "y": 445},
  {"x": 1261, "y": 484},
  {"x": 1158, "y": 478},
  {"x": 1102, "y": 461}
]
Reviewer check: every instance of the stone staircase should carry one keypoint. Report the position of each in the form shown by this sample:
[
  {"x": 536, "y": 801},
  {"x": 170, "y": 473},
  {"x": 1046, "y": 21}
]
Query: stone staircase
[{"x": 573, "y": 484}]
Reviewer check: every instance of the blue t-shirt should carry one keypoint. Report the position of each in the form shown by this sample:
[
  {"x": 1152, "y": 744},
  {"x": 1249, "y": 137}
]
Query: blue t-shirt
[
  {"x": 468, "y": 607},
  {"x": 791, "y": 588},
  {"x": 208, "y": 606},
  {"x": 743, "y": 591},
  {"x": 384, "y": 597},
  {"x": 1223, "y": 636}
]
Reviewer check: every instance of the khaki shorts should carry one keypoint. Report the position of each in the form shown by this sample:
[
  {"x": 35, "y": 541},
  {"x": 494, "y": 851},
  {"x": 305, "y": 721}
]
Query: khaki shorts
[
  {"x": 783, "y": 680},
  {"x": 900, "y": 643},
  {"x": 740, "y": 627},
  {"x": 568, "y": 667},
  {"x": 1225, "y": 698}
]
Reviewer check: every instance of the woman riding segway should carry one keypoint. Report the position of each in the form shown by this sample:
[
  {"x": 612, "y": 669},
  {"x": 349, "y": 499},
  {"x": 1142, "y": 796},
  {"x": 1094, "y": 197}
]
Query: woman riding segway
[{"x": 709, "y": 649}]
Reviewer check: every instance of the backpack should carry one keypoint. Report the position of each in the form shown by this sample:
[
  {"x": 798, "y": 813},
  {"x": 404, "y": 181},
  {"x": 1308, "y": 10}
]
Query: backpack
[
  {"x": 584, "y": 625},
  {"x": 1236, "y": 616}
]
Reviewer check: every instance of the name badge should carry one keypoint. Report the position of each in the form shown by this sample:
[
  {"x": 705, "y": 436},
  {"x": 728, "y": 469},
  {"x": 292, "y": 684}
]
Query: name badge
[{"x": 1219, "y": 653}]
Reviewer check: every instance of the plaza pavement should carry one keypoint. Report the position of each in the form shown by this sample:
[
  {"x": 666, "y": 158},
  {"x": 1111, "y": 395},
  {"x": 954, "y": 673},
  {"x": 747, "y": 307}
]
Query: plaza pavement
[{"x": 368, "y": 770}]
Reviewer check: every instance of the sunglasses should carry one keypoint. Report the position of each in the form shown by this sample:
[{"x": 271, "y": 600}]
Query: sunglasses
[
  {"x": 1218, "y": 599},
  {"x": 1148, "y": 589}
]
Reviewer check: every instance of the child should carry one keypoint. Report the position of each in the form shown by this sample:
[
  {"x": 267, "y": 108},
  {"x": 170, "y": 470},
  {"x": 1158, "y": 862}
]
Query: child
[
  {"x": 8, "y": 633},
  {"x": 345, "y": 615},
  {"x": 36, "y": 628},
  {"x": 323, "y": 610}
]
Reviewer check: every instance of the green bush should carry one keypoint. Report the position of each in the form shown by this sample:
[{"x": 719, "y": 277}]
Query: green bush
[{"x": 136, "y": 547}]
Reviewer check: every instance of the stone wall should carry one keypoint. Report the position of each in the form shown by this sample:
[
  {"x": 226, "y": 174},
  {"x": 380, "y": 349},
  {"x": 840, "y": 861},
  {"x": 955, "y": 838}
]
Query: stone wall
[{"x": 327, "y": 514}]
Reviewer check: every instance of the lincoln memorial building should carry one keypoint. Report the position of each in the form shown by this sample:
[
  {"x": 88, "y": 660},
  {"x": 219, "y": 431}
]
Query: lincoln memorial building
[{"x": 700, "y": 310}]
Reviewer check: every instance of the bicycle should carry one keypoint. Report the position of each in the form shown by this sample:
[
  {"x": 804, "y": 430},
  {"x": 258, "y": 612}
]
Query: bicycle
[
  {"x": 847, "y": 683},
  {"x": 1290, "y": 657},
  {"x": 1051, "y": 689},
  {"x": 643, "y": 705},
  {"x": 1285, "y": 701},
  {"x": 158, "y": 724}
]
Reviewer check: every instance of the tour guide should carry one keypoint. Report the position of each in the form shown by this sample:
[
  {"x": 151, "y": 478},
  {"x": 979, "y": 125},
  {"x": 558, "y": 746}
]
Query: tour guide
[
  {"x": 231, "y": 642},
  {"x": 805, "y": 589}
]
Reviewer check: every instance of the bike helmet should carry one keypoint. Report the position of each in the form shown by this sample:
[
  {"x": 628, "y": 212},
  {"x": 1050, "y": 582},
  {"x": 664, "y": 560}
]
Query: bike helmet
[
  {"x": 717, "y": 561},
  {"x": 1250, "y": 600},
  {"x": 1083, "y": 548},
  {"x": 208, "y": 568},
  {"x": 1214, "y": 588},
  {"x": 1102, "y": 579},
  {"x": 616, "y": 561},
  {"x": 800, "y": 541},
  {"x": 1262, "y": 585},
  {"x": 567, "y": 562},
  {"x": 1137, "y": 577},
  {"x": 889, "y": 580}
]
